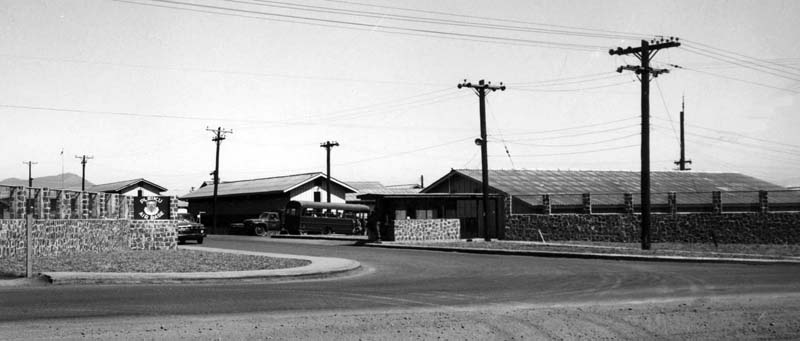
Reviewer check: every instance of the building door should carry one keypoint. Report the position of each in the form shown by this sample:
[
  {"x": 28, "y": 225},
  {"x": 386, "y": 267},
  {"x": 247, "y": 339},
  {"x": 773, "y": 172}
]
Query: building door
[{"x": 467, "y": 213}]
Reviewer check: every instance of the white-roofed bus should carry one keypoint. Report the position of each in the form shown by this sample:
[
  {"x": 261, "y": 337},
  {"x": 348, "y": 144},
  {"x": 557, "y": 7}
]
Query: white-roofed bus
[{"x": 303, "y": 217}]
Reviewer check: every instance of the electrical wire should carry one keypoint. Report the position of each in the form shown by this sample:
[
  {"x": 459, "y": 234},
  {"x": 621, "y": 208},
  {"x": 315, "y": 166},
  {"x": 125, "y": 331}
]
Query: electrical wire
[
  {"x": 575, "y": 135},
  {"x": 574, "y": 153},
  {"x": 576, "y": 144},
  {"x": 575, "y": 127},
  {"x": 671, "y": 122},
  {"x": 371, "y": 27},
  {"x": 572, "y": 90},
  {"x": 621, "y": 34}
]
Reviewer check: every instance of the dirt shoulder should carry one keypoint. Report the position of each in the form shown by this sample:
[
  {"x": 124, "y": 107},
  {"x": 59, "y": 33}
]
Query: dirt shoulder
[{"x": 719, "y": 318}]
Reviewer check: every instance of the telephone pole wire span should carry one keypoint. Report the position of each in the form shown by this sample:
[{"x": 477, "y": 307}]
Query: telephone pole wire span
[
  {"x": 328, "y": 145},
  {"x": 30, "y": 177},
  {"x": 645, "y": 53},
  {"x": 219, "y": 136},
  {"x": 83, "y": 170},
  {"x": 682, "y": 162},
  {"x": 480, "y": 90}
]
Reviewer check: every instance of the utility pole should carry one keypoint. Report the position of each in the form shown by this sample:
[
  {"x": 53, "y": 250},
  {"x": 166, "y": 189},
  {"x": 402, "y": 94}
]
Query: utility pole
[
  {"x": 682, "y": 162},
  {"x": 219, "y": 136},
  {"x": 328, "y": 145},
  {"x": 30, "y": 178},
  {"x": 645, "y": 53},
  {"x": 83, "y": 172},
  {"x": 480, "y": 90}
]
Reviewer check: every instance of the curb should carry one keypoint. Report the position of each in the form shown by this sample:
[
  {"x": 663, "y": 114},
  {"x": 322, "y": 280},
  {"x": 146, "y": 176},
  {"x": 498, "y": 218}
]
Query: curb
[
  {"x": 345, "y": 238},
  {"x": 320, "y": 267},
  {"x": 589, "y": 255}
]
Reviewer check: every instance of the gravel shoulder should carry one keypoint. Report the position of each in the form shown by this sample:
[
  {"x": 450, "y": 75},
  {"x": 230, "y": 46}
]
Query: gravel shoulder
[{"x": 718, "y": 318}]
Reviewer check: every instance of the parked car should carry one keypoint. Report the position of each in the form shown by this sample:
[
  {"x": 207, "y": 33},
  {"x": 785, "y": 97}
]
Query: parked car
[
  {"x": 189, "y": 229},
  {"x": 261, "y": 226}
]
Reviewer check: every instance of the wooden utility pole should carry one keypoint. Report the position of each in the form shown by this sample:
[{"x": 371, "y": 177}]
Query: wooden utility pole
[
  {"x": 83, "y": 171},
  {"x": 219, "y": 136},
  {"x": 328, "y": 145},
  {"x": 480, "y": 90},
  {"x": 30, "y": 177},
  {"x": 682, "y": 162},
  {"x": 645, "y": 53}
]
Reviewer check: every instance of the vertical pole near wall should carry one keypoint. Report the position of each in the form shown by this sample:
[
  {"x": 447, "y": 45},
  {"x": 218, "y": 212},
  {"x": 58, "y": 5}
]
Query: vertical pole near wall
[
  {"x": 480, "y": 90},
  {"x": 28, "y": 245}
]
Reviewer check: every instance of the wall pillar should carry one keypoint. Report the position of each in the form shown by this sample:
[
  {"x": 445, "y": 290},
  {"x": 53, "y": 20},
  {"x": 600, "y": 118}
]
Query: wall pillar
[
  {"x": 716, "y": 202},
  {"x": 38, "y": 203},
  {"x": 587, "y": 203},
  {"x": 46, "y": 209},
  {"x": 628, "y": 198},
  {"x": 173, "y": 207},
  {"x": 672, "y": 201},
  {"x": 102, "y": 210},
  {"x": 17, "y": 202},
  {"x": 546, "y": 208},
  {"x": 763, "y": 202}
]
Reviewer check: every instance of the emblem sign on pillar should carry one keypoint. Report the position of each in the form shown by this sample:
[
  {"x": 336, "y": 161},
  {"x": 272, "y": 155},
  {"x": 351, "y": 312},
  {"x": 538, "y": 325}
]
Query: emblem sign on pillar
[{"x": 151, "y": 208}]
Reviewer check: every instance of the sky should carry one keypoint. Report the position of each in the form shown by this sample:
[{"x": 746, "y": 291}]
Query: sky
[{"x": 137, "y": 85}]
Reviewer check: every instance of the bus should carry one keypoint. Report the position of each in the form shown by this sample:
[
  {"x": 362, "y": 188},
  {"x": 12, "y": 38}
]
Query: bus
[{"x": 303, "y": 217}]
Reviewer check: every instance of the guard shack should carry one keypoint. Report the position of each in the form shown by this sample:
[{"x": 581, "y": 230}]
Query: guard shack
[{"x": 428, "y": 209}]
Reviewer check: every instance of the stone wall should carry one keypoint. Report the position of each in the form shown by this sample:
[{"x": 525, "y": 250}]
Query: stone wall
[
  {"x": 426, "y": 229},
  {"x": 744, "y": 228},
  {"x": 61, "y": 236},
  {"x": 153, "y": 234}
]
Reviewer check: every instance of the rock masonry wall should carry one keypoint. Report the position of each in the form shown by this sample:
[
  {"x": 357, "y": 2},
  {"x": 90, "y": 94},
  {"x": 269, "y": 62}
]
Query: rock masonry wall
[
  {"x": 732, "y": 228},
  {"x": 61, "y": 236},
  {"x": 426, "y": 229}
]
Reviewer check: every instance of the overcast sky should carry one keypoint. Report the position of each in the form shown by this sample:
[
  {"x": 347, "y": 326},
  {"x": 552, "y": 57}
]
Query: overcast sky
[{"x": 136, "y": 83}]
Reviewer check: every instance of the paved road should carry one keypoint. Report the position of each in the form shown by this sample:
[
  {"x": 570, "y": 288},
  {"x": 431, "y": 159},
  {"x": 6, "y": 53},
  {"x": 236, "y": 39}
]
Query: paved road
[{"x": 403, "y": 279}]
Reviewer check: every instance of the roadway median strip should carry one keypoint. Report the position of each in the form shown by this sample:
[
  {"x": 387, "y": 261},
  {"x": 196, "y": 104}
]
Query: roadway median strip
[
  {"x": 579, "y": 254},
  {"x": 320, "y": 267}
]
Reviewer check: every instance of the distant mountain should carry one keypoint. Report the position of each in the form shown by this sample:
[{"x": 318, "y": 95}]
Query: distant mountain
[{"x": 71, "y": 181}]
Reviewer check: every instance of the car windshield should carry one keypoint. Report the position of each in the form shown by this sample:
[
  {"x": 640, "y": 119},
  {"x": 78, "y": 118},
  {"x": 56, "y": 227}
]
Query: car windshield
[
  {"x": 266, "y": 216},
  {"x": 186, "y": 217}
]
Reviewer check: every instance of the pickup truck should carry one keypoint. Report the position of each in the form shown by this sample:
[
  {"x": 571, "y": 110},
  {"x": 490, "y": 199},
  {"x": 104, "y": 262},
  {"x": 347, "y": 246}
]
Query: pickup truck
[
  {"x": 189, "y": 229},
  {"x": 266, "y": 221}
]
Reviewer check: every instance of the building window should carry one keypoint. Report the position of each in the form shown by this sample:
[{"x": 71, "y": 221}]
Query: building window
[
  {"x": 139, "y": 193},
  {"x": 317, "y": 196}
]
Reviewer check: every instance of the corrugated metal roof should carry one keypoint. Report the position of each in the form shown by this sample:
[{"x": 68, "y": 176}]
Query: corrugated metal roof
[
  {"x": 532, "y": 182},
  {"x": 265, "y": 185},
  {"x": 374, "y": 187},
  {"x": 121, "y": 185}
]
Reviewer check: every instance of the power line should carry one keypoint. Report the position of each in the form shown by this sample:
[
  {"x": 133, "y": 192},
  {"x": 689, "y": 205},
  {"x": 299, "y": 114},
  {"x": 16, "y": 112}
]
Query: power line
[
  {"x": 666, "y": 109},
  {"x": 742, "y": 135},
  {"x": 740, "y": 80},
  {"x": 574, "y": 153},
  {"x": 371, "y": 27},
  {"x": 575, "y": 89},
  {"x": 576, "y": 134},
  {"x": 576, "y": 144},
  {"x": 428, "y": 20},
  {"x": 576, "y": 127},
  {"x": 752, "y": 59},
  {"x": 739, "y": 62},
  {"x": 218, "y": 71},
  {"x": 619, "y": 33}
]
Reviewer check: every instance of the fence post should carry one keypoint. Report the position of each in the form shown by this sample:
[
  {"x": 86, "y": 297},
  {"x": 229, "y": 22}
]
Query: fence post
[
  {"x": 28, "y": 245},
  {"x": 587, "y": 203},
  {"x": 672, "y": 201},
  {"x": 628, "y": 197},
  {"x": 763, "y": 202},
  {"x": 546, "y": 208},
  {"x": 716, "y": 202}
]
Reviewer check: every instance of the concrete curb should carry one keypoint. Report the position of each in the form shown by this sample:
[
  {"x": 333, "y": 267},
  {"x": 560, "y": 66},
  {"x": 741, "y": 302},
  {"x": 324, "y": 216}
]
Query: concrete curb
[
  {"x": 347, "y": 238},
  {"x": 320, "y": 267},
  {"x": 609, "y": 256}
]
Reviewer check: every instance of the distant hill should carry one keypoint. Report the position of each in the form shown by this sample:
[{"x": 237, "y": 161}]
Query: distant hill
[{"x": 71, "y": 181}]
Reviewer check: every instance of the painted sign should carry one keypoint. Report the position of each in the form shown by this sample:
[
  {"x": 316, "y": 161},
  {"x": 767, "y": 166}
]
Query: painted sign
[{"x": 151, "y": 208}]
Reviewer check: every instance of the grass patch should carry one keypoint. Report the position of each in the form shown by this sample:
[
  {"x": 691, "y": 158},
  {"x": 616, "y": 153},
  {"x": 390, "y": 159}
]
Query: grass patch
[{"x": 148, "y": 261}]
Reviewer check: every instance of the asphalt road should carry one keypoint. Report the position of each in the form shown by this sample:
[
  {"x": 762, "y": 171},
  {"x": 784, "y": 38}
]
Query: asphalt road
[{"x": 402, "y": 279}]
